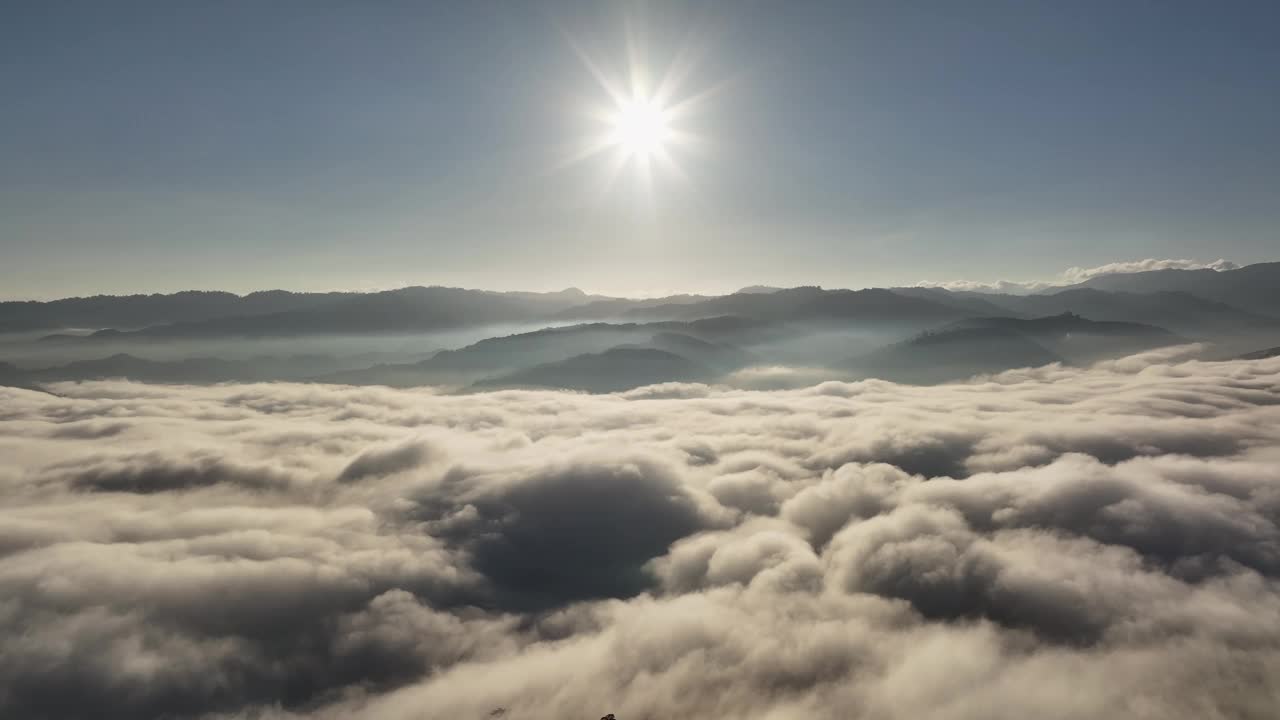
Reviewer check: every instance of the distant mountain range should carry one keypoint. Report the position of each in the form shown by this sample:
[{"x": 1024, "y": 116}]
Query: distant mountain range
[
  {"x": 194, "y": 370},
  {"x": 913, "y": 334},
  {"x": 701, "y": 340},
  {"x": 873, "y": 308},
  {"x": 989, "y": 345},
  {"x": 1255, "y": 288},
  {"x": 412, "y": 309},
  {"x": 1187, "y": 301},
  {"x": 136, "y": 311},
  {"x": 604, "y": 357},
  {"x": 666, "y": 357},
  {"x": 1174, "y": 309}
]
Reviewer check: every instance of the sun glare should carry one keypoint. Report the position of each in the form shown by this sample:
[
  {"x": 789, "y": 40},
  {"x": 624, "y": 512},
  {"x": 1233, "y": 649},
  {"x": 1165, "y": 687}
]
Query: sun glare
[{"x": 640, "y": 127}]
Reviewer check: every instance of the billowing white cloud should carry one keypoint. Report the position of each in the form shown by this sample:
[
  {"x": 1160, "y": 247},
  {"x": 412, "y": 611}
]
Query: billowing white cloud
[
  {"x": 1005, "y": 287},
  {"x": 1057, "y": 542},
  {"x": 1074, "y": 275},
  {"x": 1079, "y": 274}
]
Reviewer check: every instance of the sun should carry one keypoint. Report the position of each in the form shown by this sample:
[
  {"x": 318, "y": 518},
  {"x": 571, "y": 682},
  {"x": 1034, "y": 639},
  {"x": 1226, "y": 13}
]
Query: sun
[
  {"x": 643, "y": 123},
  {"x": 640, "y": 127}
]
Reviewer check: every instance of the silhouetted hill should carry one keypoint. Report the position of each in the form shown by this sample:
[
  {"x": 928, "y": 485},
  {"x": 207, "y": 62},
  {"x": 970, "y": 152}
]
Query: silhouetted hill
[
  {"x": 1077, "y": 339},
  {"x": 135, "y": 311},
  {"x": 615, "y": 308},
  {"x": 1179, "y": 311},
  {"x": 1262, "y": 354},
  {"x": 533, "y": 348},
  {"x": 955, "y": 354},
  {"x": 970, "y": 303},
  {"x": 198, "y": 370},
  {"x": 1255, "y": 288},
  {"x": 1063, "y": 324},
  {"x": 994, "y": 344},
  {"x": 613, "y": 370},
  {"x": 875, "y": 307},
  {"x": 413, "y": 309},
  {"x": 716, "y": 355},
  {"x": 270, "y": 312},
  {"x": 522, "y": 350},
  {"x": 568, "y": 296},
  {"x": 123, "y": 365}
]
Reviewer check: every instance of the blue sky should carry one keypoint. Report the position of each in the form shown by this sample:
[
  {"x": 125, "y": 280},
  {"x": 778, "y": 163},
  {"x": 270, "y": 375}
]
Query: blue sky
[{"x": 315, "y": 145}]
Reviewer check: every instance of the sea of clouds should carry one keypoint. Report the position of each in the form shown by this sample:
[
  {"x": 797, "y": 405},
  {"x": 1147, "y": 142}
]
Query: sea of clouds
[{"x": 1050, "y": 543}]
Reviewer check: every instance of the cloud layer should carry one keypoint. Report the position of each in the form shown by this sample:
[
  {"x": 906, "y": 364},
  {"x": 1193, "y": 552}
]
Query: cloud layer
[
  {"x": 1057, "y": 542},
  {"x": 1079, "y": 274},
  {"x": 1075, "y": 275}
]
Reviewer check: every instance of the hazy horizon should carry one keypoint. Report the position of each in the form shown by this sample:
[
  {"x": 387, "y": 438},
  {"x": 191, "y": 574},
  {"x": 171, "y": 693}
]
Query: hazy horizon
[
  {"x": 1068, "y": 276},
  {"x": 316, "y": 146}
]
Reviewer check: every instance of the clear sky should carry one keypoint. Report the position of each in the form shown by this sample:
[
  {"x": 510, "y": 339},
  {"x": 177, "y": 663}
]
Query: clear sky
[{"x": 240, "y": 145}]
